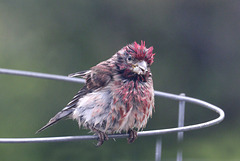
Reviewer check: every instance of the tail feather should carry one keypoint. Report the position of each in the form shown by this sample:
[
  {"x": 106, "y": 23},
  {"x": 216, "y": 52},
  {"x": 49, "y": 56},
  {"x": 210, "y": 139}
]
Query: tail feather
[
  {"x": 71, "y": 105},
  {"x": 65, "y": 112}
]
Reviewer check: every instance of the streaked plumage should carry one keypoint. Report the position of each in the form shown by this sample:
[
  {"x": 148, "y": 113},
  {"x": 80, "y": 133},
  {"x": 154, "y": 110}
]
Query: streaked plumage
[{"x": 118, "y": 94}]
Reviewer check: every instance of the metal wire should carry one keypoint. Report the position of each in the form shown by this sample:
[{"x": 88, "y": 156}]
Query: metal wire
[
  {"x": 91, "y": 137},
  {"x": 158, "y": 150},
  {"x": 181, "y": 114}
]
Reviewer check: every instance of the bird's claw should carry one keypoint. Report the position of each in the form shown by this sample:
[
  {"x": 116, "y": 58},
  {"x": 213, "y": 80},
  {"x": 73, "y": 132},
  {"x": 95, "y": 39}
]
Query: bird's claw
[
  {"x": 101, "y": 137},
  {"x": 132, "y": 136}
]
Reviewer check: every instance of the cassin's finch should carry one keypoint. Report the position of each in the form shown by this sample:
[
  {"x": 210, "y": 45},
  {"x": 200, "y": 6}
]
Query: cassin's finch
[{"x": 118, "y": 94}]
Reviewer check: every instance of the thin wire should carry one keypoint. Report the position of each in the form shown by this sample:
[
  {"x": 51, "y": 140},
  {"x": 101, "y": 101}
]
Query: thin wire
[
  {"x": 181, "y": 114},
  {"x": 158, "y": 150},
  {"x": 91, "y": 137},
  {"x": 41, "y": 75}
]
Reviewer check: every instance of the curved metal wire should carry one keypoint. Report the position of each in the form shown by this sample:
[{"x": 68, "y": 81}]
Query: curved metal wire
[{"x": 91, "y": 137}]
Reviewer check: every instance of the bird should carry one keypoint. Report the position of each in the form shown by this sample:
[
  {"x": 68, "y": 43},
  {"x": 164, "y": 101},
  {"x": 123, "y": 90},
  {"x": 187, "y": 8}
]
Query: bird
[{"x": 118, "y": 95}]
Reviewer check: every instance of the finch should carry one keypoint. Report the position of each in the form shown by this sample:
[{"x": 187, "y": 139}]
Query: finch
[{"x": 118, "y": 95}]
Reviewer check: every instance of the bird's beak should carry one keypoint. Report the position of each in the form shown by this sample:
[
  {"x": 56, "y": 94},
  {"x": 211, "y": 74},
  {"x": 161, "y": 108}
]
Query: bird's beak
[{"x": 140, "y": 68}]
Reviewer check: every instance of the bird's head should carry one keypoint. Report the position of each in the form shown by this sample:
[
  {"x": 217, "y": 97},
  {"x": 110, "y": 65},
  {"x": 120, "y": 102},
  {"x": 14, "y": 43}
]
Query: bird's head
[{"x": 135, "y": 60}]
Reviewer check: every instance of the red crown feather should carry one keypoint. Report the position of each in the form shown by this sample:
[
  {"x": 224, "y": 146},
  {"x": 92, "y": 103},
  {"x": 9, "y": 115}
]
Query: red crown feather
[{"x": 140, "y": 52}]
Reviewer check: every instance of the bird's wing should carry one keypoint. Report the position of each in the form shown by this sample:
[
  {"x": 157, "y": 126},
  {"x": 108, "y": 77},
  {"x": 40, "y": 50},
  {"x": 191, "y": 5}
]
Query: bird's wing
[
  {"x": 98, "y": 77},
  {"x": 80, "y": 74}
]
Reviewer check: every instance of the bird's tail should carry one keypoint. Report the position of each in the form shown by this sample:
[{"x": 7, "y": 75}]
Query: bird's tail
[{"x": 65, "y": 112}]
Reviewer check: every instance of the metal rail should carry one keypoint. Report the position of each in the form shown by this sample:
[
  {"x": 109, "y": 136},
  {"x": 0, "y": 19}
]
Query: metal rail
[{"x": 180, "y": 98}]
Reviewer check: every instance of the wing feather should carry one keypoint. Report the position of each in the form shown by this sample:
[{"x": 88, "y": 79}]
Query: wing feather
[{"x": 99, "y": 76}]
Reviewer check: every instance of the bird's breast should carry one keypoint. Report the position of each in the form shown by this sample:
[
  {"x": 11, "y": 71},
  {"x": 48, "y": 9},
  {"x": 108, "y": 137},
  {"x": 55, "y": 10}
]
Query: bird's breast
[
  {"x": 132, "y": 92},
  {"x": 132, "y": 103}
]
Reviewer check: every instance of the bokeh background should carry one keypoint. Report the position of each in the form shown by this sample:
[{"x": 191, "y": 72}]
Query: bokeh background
[{"x": 197, "y": 46}]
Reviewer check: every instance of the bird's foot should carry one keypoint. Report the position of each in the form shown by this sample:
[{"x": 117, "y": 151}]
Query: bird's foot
[
  {"x": 101, "y": 137},
  {"x": 132, "y": 136}
]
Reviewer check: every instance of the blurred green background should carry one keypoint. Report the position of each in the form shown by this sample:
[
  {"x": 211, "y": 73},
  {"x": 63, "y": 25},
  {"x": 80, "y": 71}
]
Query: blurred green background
[{"x": 197, "y": 46}]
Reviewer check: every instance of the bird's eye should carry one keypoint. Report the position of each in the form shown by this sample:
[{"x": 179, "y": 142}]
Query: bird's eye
[{"x": 129, "y": 58}]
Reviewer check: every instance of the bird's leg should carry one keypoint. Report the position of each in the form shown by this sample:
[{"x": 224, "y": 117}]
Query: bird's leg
[
  {"x": 132, "y": 136},
  {"x": 101, "y": 137}
]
